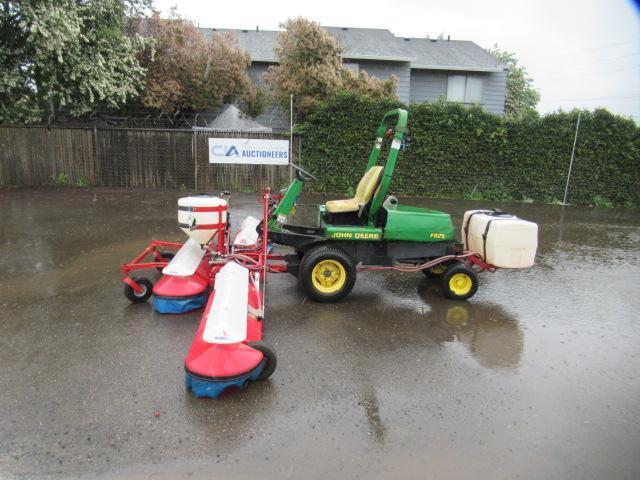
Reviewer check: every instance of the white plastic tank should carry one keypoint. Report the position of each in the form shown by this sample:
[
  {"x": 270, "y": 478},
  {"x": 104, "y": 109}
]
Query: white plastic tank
[
  {"x": 502, "y": 239},
  {"x": 201, "y": 216}
]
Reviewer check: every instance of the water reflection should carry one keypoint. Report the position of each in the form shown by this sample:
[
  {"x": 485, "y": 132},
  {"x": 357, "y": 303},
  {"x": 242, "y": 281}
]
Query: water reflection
[
  {"x": 495, "y": 340},
  {"x": 491, "y": 334},
  {"x": 397, "y": 318}
]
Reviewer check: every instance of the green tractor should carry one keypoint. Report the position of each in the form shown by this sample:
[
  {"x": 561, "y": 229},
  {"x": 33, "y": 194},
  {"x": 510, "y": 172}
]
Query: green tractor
[{"x": 370, "y": 231}]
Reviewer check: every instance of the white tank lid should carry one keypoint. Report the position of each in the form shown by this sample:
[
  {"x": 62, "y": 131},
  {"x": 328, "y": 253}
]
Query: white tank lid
[{"x": 202, "y": 201}]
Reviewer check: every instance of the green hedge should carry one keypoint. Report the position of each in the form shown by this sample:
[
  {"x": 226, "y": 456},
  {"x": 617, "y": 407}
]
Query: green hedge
[{"x": 464, "y": 152}]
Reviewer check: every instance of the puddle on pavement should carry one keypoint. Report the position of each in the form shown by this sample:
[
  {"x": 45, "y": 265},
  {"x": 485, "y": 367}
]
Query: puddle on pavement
[{"x": 390, "y": 378}]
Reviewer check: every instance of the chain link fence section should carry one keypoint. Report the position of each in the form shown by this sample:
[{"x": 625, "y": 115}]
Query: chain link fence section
[
  {"x": 242, "y": 177},
  {"x": 147, "y": 158},
  {"x": 130, "y": 157}
]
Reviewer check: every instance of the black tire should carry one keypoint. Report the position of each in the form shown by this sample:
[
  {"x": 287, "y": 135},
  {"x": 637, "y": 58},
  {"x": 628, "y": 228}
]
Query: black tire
[
  {"x": 147, "y": 290},
  {"x": 168, "y": 256},
  {"x": 323, "y": 253},
  {"x": 459, "y": 288},
  {"x": 270, "y": 354}
]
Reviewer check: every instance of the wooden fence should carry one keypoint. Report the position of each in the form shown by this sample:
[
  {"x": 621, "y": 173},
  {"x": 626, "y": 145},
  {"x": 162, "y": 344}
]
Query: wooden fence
[{"x": 149, "y": 158}]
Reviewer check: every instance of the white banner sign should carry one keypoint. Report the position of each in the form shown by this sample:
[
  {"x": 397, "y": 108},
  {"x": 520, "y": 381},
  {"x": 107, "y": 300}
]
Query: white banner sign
[{"x": 249, "y": 150}]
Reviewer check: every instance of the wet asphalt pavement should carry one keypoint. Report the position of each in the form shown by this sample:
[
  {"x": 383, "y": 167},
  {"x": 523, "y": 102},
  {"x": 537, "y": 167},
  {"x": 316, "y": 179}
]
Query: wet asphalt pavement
[{"x": 537, "y": 376}]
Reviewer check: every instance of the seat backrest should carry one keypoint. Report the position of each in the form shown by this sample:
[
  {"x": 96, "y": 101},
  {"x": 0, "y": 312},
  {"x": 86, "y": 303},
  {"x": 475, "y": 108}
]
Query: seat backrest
[{"x": 367, "y": 185}]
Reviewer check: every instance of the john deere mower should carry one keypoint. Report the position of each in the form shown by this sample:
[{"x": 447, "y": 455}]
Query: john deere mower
[{"x": 373, "y": 231}]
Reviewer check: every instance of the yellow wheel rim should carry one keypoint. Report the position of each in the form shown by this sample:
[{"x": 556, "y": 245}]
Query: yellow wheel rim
[
  {"x": 328, "y": 276},
  {"x": 460, "y": 283},
  {"x": 438, "y": 269}
]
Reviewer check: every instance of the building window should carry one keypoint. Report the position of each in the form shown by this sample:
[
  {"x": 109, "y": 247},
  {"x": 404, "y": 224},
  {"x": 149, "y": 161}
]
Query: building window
[{"x": 465, "y": 89}]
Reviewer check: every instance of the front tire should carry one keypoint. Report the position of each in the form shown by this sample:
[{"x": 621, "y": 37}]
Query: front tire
[
  {"x": 270, "y": 355},
  {"x": 327, "y": 274},
  {"x": 139, "y": 297},
  {"x": 459, "y": 282}
]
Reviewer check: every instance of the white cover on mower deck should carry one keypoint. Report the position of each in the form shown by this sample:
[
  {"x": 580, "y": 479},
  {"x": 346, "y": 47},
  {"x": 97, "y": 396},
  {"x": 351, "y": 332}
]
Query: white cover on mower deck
[
  {"x": 227, "y": 318},
  {"x": 186, "y": 261},
  {"x": 510, "y": 241},
  {"x": 248, "y": 235},
  {"x": 190, "y": 220}
]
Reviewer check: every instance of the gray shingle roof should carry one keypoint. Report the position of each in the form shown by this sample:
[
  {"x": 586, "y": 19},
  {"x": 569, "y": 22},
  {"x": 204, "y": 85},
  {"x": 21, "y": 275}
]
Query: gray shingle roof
[
  {"x": 368, "y": 43},
  {"x": 260, "y": 44},
  {"x": 449, "y": 55},
  {"x": 379, "y": 44}
]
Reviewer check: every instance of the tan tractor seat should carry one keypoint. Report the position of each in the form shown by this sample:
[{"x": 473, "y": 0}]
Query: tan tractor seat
[{"x": 364, "y": 192}]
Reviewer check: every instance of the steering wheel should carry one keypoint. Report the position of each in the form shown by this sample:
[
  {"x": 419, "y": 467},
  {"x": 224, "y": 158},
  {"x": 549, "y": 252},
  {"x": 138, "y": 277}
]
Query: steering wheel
[{"x": 302, "y": 174}]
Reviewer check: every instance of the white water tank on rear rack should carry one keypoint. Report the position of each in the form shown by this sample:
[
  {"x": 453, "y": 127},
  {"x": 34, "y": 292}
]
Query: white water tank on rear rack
[
  {"x": 201, "y": 216},
  {"x": 502, "y": 239}
]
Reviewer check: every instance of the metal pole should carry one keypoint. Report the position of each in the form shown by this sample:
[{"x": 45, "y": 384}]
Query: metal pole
[
  {"x": 573, "y": 152},
  {"x": 194, "y": 152},
  {"x": 291, "y": 136}
]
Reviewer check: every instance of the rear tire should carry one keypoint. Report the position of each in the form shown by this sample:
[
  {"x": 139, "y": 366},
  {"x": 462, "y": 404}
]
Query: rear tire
[
  {"x": 327, "y": 274},
  {"x": 139, "y": 297},
  {"x": 270, "y": 356},
  {"x": 459, "y": 282}
]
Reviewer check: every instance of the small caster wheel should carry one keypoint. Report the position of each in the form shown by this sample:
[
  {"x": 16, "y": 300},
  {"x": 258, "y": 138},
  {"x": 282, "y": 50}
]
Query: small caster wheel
[
  {"x": 143, "y": 295},
  {"x": 270, "y": 354},
  {"x": 459, "y": 282}
]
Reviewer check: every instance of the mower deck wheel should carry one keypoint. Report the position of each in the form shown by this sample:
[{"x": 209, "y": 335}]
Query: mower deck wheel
[
  {"x": 459, "y": 282},
  {"x": 327, "y": 274},
  {"x": 139, "y": 297},
  {"x": 168, "y": 256},
  {"x": 269, "y": 354}
]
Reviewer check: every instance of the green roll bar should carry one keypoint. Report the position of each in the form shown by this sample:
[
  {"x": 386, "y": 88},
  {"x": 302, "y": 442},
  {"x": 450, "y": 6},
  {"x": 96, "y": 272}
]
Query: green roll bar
[
  {"x": 398, "y": 116},
  {"x": 394, "y": 119}
]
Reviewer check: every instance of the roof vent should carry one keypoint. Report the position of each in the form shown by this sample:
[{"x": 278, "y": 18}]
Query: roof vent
[
  {"x": 407, "y": 39},
  {"x": 345, "y": 28},
  {"x": 245, "y": 31},
  {"x": 214, "y": 29},
  {"x": 434, "y": 40}
]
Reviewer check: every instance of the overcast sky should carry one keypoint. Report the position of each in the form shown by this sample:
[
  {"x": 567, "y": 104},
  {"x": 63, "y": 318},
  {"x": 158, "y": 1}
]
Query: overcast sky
[{"x": 581, "y": 53}]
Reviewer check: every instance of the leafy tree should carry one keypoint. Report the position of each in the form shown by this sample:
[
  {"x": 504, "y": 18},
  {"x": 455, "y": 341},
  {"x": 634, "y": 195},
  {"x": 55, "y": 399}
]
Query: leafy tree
[
  {"x": 310, "y": 68},
  {"x": 186, "y": 71},
  {"x": 66, "y": 54},
  {"x": 368, "y": 85},
  {"x": 521, "y": 96},
  {"x": 254, "y": 101}
]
